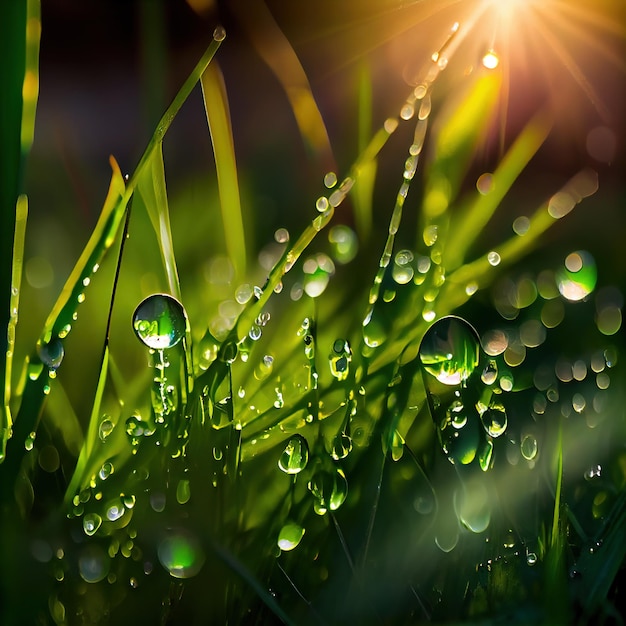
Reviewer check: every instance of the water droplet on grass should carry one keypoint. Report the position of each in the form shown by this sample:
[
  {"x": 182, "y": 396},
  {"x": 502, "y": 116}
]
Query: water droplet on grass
[
  {"x": 290, "y": 536},
  {"x": 341, "y": 446},
  {"x": 160, "y": 321},
  {"x": 339, "y": 359},
  {"x": 91, "y": 523},
  {"x": 295, "y": 455},
  {"x": 329, "y": 490},
  {"x": 52, "y": 353},
  {"x": 529, "y": 447},
  {"x": 449, "y": 350}
]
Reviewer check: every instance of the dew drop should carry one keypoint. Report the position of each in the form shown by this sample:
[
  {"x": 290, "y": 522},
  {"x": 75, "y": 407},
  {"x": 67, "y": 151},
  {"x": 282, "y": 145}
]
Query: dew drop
[
  {"x": 329, "y": 490},
  {"x": 290, "y": 536},
  {"x": 180, "y": 553},
  {"x": 339, "y": 359},
  {"x": 485, "y": 183},
  {"x": 91, "y": 523},
  {"x": 449, "y": 350},
  {"x": 341, "y": 446},
  {"x": 183, "y": 491},
  {"x": 115, "y": 510},
  {"x": 105, "y": 428},
  {"x": 494, "y": 420},
  {"x": 493, "y": 258},
  {"x": 51, "y": 353},
  {"x": 29, "y": 444},
  {"x": 295, "y": 456},
  {"x": 264, "y": 367},
  {"x": 330, "y": 180},
  {"x": 529, "y": 447},
  {"x": 160, "y": 321},
  {"x": 106, "y": 470},
  {"x": 219, "y": 34},
  {"x": 490, "y": 372},
  {"x": 430, "y": 234},
  {"x": 93, "y": 563}
]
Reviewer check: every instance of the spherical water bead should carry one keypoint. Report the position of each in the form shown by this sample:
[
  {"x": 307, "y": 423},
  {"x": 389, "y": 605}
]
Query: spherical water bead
[
  {"x": 329, "y": 490},
  {"x": 494, "y": 258},
  {"x": 264, "y": 367},
  {"x": 180, "y": 553},
  {"x": 577, "y": 278},
  {"x": 106, "y": 470},
  {"x": 295, "y": 456},
  {"x": 114, "y": 510},
  {"x": 529, "y": 447},
  {"x": 339, "y": 359},
  {"x": 330, "y": 180},
  {"x": 160, "y": 321},
  {"x": 219, "y": 34},
  {"x": 449, "y": 350},
  {"x": 51, "y": 353},
  {"x": 494, "y": 420},
  {"x": 91, "y": 523},
  {"x": 290, "y": 536},
  {"x": 93, "y": 563}
]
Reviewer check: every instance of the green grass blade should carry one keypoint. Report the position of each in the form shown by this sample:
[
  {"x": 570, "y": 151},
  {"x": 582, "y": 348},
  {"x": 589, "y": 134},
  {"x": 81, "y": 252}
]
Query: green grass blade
[
  {"x": 218, "y": 119},
  {"x": 13, "y": 19},
  {"x": 468, "y": 225},
  {"x": 151, "y": 186},
  {"x": 21, "y": 215}
]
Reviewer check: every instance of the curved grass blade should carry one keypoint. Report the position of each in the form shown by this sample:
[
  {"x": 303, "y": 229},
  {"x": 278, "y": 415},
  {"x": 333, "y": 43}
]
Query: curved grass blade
[
  {"x": 152, "y": 189},
  {"x": 218, "y": 119}
]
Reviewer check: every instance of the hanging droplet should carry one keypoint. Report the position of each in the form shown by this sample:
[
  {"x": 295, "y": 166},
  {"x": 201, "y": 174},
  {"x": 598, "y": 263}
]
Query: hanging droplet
[
  {"x": 183, "y": 491},
  {"x": 180, "y": 553},
  {"x": 449, "y": 350},
  {"x": 105, "y": 428},
  {"x": 93, "y": 563},
  {"x": 160, "y": 321},
  {"x": 290, "y": 536},
  {"x": 494, "y": 420},
  {"x": 340, "y": 358},
  {"x": 51, "y": 353},
  {"x": 490, "y": 372},
  {"x": 329, "y": 490},
  {"x": 91, "y": 523},
  {"x": 295, "y": 455},
  {"x": 341, "y": 446},
  {"x": 529, "y": 447}
]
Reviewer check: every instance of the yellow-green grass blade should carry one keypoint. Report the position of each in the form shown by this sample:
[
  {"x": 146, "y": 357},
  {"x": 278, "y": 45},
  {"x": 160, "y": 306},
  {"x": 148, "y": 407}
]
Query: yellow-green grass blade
[{"x": 218, "y": 119}]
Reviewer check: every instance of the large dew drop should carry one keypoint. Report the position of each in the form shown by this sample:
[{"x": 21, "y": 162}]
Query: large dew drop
[
  {"x": 329, "y": 490},
  {"x": 52, "y": 353},
  {"x": 160, "y": 321},
  {"x": 449, "y": 350},
  {"x": 290, "y": 536},
  {"x": 181, "y": 554},
  {"x": 295, "y": 455},
  {"x": 93, "y": 563}
]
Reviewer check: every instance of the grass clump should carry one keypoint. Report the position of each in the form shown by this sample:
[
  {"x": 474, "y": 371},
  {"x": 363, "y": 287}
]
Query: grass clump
[{"x": 306, "y": 443}]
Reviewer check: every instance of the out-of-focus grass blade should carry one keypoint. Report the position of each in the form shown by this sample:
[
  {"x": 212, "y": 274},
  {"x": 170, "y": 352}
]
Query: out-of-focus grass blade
[
  {"x": 218, "y": 118},
  {"x": 151, "y": 186},
  {"x": 470, "y": 222},
  {"x": 456, "y": 141},
  {"x": 277, "y": 52},
  {"x": 363, "y": 193}
]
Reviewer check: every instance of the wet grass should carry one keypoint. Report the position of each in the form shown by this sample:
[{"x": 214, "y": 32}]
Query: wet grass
[{"x": 299, "y": 441}]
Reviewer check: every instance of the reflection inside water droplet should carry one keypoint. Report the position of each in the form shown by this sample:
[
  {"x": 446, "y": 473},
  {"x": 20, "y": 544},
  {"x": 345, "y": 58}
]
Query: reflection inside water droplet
[
  {"x": 449, "y": 350},
  {"x": 290, "y": 536}
]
